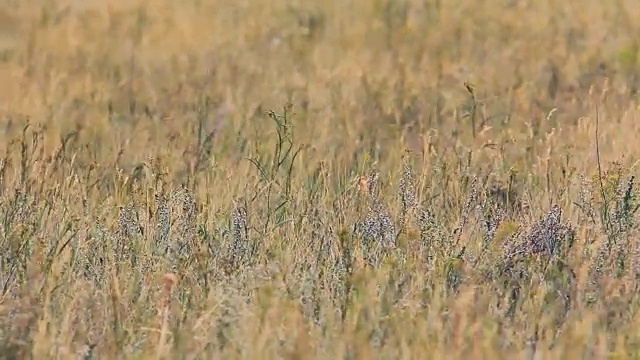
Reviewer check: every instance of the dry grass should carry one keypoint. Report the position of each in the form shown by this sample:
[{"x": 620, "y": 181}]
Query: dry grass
[{"x": 339, "y": 180}]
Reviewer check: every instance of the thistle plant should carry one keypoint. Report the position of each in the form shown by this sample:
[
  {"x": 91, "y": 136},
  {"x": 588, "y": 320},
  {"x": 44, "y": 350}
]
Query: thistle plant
[
  {"x": 549, "y": 234},
  {"x": 240, "y": 246},
  {"x": 407, "y": 191}
]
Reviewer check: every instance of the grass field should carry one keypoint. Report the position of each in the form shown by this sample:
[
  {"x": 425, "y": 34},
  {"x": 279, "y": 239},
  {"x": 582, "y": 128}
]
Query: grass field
[{"x": 286, "y": 179}]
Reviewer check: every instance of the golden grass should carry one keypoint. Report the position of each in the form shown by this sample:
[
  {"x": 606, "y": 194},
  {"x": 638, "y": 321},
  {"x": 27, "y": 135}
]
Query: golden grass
[{"x": 109, "y": 109}]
